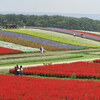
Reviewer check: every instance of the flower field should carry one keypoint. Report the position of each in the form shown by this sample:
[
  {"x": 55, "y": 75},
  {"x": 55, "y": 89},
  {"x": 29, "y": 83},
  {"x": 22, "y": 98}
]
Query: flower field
[
  {"x": 42, "y": 41},
  {"x": 29, "y": 88},
  {"x": 4, "y": 50},
  {"x": 79, "y": 69},
  {"x": 86, "y": 34},
  {"x": 63, "y": 35},
  {"x": 18, "y": 47},
  {"x": 67, "y": 81},
  {"x": 49, "y": 39},
  {"x": 98, "y": 33},
  {"x": 28, "y": 43}
]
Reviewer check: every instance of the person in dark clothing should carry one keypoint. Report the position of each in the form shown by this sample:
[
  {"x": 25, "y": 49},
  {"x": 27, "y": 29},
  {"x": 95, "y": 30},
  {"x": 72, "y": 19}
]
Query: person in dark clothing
[
  {"x": 81, "y": 35},
  {"x": 15, "y": 70},
  {"x": 41, "y": 50},
  {"x": 21, "y": 70}
]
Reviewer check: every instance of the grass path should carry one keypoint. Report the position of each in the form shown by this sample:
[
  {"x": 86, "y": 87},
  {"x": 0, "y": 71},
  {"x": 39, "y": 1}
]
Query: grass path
[
  {"x": 45, "y": 54},
  {"x": 31, "y": 65}
]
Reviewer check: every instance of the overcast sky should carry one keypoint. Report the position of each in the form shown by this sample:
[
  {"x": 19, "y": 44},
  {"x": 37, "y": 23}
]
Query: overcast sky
[{"x": 51, "y": 6}]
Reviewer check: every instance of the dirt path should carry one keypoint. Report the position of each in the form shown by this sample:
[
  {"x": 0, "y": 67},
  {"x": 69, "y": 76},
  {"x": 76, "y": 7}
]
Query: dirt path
[
  {"x": 45, "y": 53},
  {"x": 31, "y": 65}
]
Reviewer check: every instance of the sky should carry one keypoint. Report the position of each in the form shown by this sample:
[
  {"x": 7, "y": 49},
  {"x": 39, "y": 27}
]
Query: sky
[{"x": 51, "y": 6}]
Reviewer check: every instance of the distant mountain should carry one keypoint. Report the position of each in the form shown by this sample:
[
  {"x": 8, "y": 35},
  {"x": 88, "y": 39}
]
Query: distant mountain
[{"x": 91, "y": 16}]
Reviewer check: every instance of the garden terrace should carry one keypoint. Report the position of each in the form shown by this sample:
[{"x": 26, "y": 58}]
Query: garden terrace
[
  {"x": 78, "y": 33},
  {"x": 65, "y": 35},
  {"x": 48, "y": 39},
  {"x": 29, "y": 43},
  {"x": 84, "y": 70}
]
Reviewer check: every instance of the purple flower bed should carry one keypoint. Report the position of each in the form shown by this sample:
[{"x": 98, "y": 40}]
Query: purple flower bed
[{"x": 40, "y": 40}]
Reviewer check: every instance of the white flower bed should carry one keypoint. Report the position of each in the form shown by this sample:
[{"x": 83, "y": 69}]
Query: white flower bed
[{"x": 18, "y": 47}]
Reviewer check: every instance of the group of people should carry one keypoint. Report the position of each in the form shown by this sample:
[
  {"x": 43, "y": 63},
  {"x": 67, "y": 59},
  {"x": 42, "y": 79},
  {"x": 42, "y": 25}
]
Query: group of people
[
  {"x": 18, "y": 70},
  {"x": 82, "y": 35}
]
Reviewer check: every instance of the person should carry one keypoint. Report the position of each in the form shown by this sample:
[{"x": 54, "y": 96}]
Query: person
[
  {"x": 41, "y": 49},
  {"x": 17, "y": 69},
  {"x": 74, "y": 34},
  {"x": 21, "y": 70},
  {"x": 81, "y": 35}
]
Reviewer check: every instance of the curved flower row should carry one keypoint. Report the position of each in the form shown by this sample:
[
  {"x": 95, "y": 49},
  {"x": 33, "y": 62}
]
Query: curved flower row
[
  {"x": 98, "y": 33},
  {"x": 29, "y": 88},
  {"x": 40, "y": 40},
  {"x": 4, "y": 50},
  {"x": 28, "y": 43},
  {"x": 86, "y": 34},
  {"x": 47, "y": 39},
  {"x": 80, "y": 69},
  {"x": 66, "y": 36},
  {"x": 18, "y": 47}
]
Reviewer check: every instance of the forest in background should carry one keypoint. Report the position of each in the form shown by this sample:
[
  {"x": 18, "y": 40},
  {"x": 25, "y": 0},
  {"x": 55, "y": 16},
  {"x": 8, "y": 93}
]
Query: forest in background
[{"x": 51, "y": 21}]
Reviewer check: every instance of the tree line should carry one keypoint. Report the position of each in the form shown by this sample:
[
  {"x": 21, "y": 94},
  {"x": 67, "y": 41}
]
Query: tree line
[{"x": 52, "y": 21}]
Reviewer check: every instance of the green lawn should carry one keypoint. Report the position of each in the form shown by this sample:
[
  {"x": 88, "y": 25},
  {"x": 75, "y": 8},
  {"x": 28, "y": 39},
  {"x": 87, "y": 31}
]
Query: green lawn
[{"x": 39, "y": 59}]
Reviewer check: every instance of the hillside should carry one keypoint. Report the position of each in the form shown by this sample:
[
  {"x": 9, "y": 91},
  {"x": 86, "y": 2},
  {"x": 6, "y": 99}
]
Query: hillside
[{"x": 59, "y": 45}]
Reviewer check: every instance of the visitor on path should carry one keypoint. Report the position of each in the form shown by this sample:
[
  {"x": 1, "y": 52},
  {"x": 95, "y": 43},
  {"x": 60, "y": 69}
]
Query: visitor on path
[
  {"x": 74, "y": 34},
  {"x": 16, "y": 70},
  {"x": 21, "y": 70},
  {"x": 41, "y": 50},
  {"x": 81, "y": 35}
]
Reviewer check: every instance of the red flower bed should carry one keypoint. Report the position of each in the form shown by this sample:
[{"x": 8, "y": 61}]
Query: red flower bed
[
  {"x": 29, "y": 88},
  {"x": 4, "y": 50},
  {"x": 96, "y": 60},
  {"x": 80, "y": 69},
  {"x": 84, "y": 33}
]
